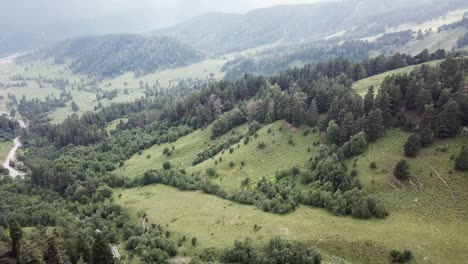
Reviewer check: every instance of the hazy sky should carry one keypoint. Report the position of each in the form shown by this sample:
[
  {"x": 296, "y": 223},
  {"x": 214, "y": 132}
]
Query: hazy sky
[{"x": 155, "y": 12}]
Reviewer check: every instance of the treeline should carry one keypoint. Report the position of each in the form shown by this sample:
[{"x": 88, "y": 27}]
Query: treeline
[
  {"x": 8, "y": 128},
  {"x": 273, "y": 62},
  {"x": 112, "y": 55}
]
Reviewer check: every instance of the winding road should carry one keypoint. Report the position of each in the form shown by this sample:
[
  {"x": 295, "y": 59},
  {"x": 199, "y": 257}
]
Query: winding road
[{"x": 11, "y": 155}]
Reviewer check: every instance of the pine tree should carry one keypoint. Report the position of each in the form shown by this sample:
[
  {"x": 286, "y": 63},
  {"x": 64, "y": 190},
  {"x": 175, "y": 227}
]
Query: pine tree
[
  {"x": 16, "y": 233},
  {"x": 359, "y": 72},
  {"x": 374, "y": 125},
  {"x": 102, "y": 253},
  {"x": 412, "y": 145},
  {"x": 346, "y": 130},
  {"x": 402, "y": 170},
  {"x": 424, "y": 98},
  {"x": 384, "y": 103},
  {"x": 461, "y": 163},
  {"x": 312, "y": 114},
  {"x": 358, "y": 143},
  {"x": 31, "y": 253},
  {"x": 449, "y": 120},
  {"x": 333, "y": 132},
  {"x": 429, "y": 117},
  {"x": 369, "y": 100},
  {"x": 427, "y": 136},
  {"x": 55, "y": 252}
]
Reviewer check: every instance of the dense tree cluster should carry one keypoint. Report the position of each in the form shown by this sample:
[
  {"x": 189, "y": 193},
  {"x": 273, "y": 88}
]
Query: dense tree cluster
[
  {"x": 277, "y": 251},
  {"x": 111, "y": 55}
]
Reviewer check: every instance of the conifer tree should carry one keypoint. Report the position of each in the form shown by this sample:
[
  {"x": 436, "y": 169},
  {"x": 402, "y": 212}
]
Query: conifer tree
[
  {"x": 461, "y": 163},
  {"x": 412, "y": 145},
  {"x": 102, "y": 253},
  {"x": 374, "y": 125},
  {"x": 449, "y": 120},
  {"x": 402, "y": 170},
  {"x": 369, "y": 100},
  {"x": 16, "y": 233}
]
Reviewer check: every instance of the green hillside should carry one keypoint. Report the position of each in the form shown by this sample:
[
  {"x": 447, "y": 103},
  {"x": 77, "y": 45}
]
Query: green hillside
[
  {"x": 362, "y": 85},
  {"x": 422, "y": 213}
]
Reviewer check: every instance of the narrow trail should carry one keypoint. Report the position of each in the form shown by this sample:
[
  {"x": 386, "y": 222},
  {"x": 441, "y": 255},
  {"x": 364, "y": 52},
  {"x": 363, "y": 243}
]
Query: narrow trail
[{"x": 441, "y": 178}]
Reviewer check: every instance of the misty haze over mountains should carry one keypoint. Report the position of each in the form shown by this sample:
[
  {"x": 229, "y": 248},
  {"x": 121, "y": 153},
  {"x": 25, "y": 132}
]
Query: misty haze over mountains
[{"x": 215, "y": 26}]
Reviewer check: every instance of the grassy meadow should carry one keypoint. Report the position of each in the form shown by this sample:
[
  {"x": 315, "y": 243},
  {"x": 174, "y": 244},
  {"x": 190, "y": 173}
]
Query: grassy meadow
[
  {"x": 424, "y": 217},
  {"x": 284, "y": 148},
  {"x": 363, "y": 85}
]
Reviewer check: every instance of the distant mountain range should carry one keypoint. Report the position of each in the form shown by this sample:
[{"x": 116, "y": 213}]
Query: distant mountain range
[
  {"x": 220, "y": 33},
  {"x": 111, "y": 55}
]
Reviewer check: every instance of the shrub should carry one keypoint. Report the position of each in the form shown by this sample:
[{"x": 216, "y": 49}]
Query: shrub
[
  {"x": 402, "y": 170},
  {"x": 211, "y": 172},
  {"x": 194, "y": 241},
  {"x": 401, "y": 257},
  {"x": 412, "y": 145},
  {"x": 461, "y": 162},
  {"x": 167, "y": 165},
  {"x": 373, "y": 165},
  {"x": 261, "y": 145}
]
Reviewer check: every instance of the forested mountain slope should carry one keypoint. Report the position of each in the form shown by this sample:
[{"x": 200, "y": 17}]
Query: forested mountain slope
[
  {"x": 112, "y": 55},
  {"x": 296, "y": 23},
  {"x": 302, "y": 144}
]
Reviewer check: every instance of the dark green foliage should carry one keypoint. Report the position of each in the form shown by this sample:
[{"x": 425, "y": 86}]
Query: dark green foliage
[
  {"x": 211, "y": 172},
  {"x": 461, "y": 162},
  {"x": 194, "y": 241},
  {"x": 283, "y": 251},
  {"x": 412, "y": 145},
  {"x": 111, "y": 55},
  {"x": 374, "y": 125},
  {"x": 16, "y": 233},
  {"x": 333, "y": 132},
  {"x": 358, "y": 143},
  {"x": 254, "y": 127},
  {"x": 101, "y": 250},
  {"x": 241, "y": 252},
  {"x": 227, "y": 122},
  {"x": 74, "y": 106},
  {"x": 401, "y": 257},
  {"x": 278, "y": 251},
  {"x": 373, "y": 165},
  {"x": 55, "y": 251},
  {"x": 402, "y": 170},
  {"x": 166, "y": 165},
  {"x": 427, "y": 136},
  {"x": 449, "y": 120}
]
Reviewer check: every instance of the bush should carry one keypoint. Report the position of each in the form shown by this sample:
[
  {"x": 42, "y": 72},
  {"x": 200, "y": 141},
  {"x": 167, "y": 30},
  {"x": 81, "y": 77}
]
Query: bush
[
  {"x": 412, "y": 145},
  {"x": 402, "y": 170},
  {"x": 261, "y": 145},
  {"x": 194, "y": 241},
  {"x": 461, "y": 162},
  {"x": 211, "y": 172},
  {"x": 401, "y": 257},
  {"x": 167, "y": 165},
  {"x": 373, "y": 165}
]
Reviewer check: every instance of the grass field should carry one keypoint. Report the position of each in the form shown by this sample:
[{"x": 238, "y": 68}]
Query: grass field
[
  {"x": 86, "y": 98},
  {"x": 278, "y": 154},
  {"x": 185, "y": 151},
  {"x": 363, "y": 85},
  {"x": 5, "y": 147},
  {"x": 424, "y": 217}
]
